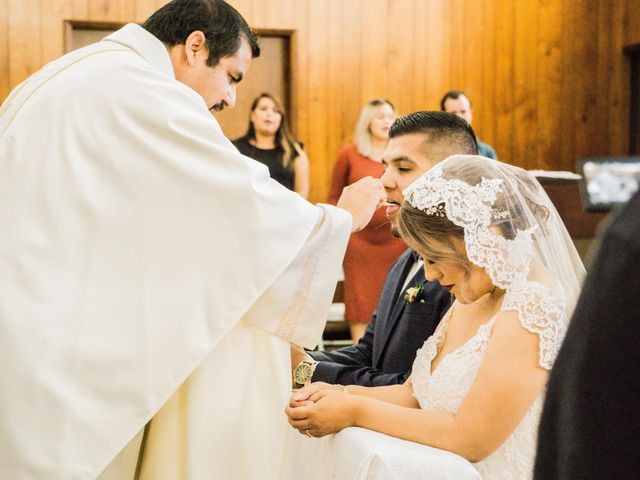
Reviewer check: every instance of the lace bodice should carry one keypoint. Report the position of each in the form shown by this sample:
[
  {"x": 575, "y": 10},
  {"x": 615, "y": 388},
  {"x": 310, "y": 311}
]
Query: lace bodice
[{"x": 446, "y": 387}]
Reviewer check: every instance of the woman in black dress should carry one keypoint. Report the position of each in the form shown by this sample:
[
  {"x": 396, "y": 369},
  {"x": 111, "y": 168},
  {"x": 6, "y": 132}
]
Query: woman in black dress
[{"x": 269, "y": 141}]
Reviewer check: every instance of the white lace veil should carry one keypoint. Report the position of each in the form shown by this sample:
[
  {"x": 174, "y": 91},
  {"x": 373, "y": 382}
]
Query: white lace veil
[{"x": 512, "y": 230}]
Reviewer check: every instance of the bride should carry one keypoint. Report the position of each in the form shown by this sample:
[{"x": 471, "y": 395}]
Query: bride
[{"x": 487, "y": 232}]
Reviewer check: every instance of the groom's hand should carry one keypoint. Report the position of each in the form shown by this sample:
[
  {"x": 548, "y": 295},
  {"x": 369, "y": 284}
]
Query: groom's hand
[
  {"x": 333, "y": 410},
  {"x": 361, "y": 199}
]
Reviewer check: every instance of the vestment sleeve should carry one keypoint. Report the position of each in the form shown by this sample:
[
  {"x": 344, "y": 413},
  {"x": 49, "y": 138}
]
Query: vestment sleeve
[{"x": 311, "y": 277}]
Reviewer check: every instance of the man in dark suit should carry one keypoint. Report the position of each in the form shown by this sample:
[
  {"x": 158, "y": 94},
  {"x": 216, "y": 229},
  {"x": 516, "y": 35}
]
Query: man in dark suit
[
  {"x": 590, "y": 426},
  {"x": 400, "y": 325}
]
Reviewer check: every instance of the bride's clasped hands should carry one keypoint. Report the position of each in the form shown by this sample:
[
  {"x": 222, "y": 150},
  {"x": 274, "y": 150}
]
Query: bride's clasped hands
[{"x": 321, "y": 408}]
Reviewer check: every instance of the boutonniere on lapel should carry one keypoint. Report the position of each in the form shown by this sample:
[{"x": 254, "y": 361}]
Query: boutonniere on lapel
[{"x": 414, "y": 293}]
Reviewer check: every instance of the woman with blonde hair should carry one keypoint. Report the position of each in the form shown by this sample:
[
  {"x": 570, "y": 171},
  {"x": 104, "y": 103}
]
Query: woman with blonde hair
[
  {"x": 372, "y": 251},
  {"x": 269, "y": 141}
]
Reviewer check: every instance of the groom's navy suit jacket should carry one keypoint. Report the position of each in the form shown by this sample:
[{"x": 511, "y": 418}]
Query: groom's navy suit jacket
[{"x": 385, "y": 354}]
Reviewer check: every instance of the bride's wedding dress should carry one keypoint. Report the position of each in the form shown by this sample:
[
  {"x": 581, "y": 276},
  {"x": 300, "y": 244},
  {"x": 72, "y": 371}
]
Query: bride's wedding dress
[
  {"x": 448, "y": 384},
  {"x": 360, "y": 454}
]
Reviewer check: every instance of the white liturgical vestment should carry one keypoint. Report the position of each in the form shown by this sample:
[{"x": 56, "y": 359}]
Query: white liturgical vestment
[{"x": 147, "y": 269}]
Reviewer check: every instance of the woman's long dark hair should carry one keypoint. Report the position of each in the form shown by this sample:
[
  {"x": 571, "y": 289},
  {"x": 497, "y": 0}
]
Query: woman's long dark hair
[{"x": 291, "y": 149}]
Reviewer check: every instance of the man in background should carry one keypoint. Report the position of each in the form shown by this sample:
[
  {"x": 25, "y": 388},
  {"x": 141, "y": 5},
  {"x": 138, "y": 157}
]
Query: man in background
[
  {"x": 456, "y": 101},
  {"x": 148, "y": 269},
  {"x": 399, "y": 326}
]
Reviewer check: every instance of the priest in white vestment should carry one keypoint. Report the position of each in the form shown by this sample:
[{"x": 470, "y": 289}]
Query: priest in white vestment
[{"x": 148, "y": 271}]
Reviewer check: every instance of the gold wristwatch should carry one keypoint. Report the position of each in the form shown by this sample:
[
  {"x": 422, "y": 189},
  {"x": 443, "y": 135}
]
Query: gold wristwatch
[{"x": 303, "y": 373}]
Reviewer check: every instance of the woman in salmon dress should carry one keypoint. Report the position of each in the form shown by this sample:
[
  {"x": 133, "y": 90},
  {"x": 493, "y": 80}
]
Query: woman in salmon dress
[{"x": 372, "y": 251}]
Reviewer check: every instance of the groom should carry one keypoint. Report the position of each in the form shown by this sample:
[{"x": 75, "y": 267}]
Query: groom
[{"x": 399, "y": 326}]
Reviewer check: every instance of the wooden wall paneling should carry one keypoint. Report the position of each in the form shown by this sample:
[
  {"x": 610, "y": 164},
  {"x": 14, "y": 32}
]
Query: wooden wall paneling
[
  {"x": 617, "y": 95},
  {"x": 631, "y": 20},
  {"x": 585, "y": 91},
  {"x": 373, "y": 51},
  {"x": 503, "y": 87},
  {"x": 457, "y": 53},
  {"x": 5, "y": 72},
  {"x": 525, "y": 84},
  {"x": 603, "y": 76},
  {"x": 436, "y": 74},
  {"x": 285, "y": 9},
  {"x": 336, "y": 91},
  {"x": 401, "y": 68},
  {"x": 112, "y": 10},
  {"x": 294, "y": 83},
  {"x": 25, "y": 45},
  {"x": 486, "y": 103},
  {"x": 245, "y": 7},
  {"x": 53, "y": 28},
  {"x": 279, "y": 13},
  {"x": 632, "y": 52},
  {"x": 80, "y": 9},
  {"x": 446, "y": 81},
  {"x": 144, "y": 8},
  {"x": 471, "y": 33},
  {"x": 549, "y": 95},
  {"x": 420, "y": 58},
  {"x": 348, "y": 52},
  {"x": 570, "y": 74},
  {"x": 101, "y": 10},
  {"x": 570, "y": 117},
  {"x": 299, "y": 72},
  {"x": 126, "y": 11},
  {"x": 259, "y": 13},
  {"x": 318, "y": 100},
  {"x": 351, "y": 60}
]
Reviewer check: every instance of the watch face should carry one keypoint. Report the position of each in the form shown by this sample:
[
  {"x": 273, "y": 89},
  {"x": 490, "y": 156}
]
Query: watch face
[{"x": 302, "y": 373}]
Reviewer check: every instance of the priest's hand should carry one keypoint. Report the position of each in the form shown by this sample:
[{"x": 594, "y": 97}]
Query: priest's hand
[{"x": 361, "y": 199}]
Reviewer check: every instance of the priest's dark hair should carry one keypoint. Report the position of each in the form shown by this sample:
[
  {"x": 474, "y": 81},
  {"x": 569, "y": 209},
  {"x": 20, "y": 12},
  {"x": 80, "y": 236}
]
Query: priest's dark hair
[
  {"x": 438, "y": 127},
  {"x": 222, "y": 25}
]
